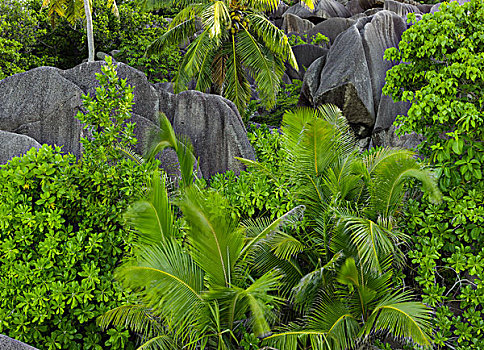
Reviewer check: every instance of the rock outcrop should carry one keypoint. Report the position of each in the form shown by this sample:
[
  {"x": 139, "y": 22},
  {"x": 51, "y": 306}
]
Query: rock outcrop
[
  {"x": 14, "y": 145},
  {"x": 353, "y": 73},
  {"x": 39, "y": 106},
  {"x": 7, "y": 343}
]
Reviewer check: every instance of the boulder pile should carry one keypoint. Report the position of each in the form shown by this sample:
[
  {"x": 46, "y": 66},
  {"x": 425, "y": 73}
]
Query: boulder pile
[
  {"x": 39, "y": 106},
  {"x": 349, "y": 71}
]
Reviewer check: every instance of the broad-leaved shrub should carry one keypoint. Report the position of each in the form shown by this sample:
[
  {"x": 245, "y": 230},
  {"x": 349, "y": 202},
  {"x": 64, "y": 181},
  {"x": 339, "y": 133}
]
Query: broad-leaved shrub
[{"x": 62, "y": 233}]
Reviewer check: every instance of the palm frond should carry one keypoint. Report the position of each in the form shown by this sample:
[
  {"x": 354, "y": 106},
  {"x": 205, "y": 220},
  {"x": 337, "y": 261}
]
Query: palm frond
[
  {"x": 402, "y": 318},
  {"x": 263, "y": 64},
  {"x": 137, "y": 318},
  {"x": 215, "y": 18},
  {"x": 165, "y": 137},
  {"x": 273, "y": 38},
  {"x": 173, "y": 36},
  {"x": 236, "y": 86},
  {"x": 263, "y": 228},
  {"x": 372, "y": 242},
  {"x": 153, "y": 218},
  {"x": 213, "y": 235},
  {"x": 295, "y": 336},
  {"x": 160, "y": 342},
  {"x": 169, "y": 282},
  {"x": 340, "y": 325},
  {"x": 389, "y": 173}
]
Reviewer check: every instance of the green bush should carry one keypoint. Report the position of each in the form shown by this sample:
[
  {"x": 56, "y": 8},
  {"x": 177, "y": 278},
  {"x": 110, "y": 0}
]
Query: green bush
[
  {"x": 443, "y": 76},
  {"x": 27, "y": 39},
  {"x": 62, "y": 234},
  {"x": 253, "y": 194}
]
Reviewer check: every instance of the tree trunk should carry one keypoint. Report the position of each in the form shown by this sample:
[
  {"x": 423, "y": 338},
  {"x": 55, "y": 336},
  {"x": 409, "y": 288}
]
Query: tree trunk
[{"x": 90, "y": 36}]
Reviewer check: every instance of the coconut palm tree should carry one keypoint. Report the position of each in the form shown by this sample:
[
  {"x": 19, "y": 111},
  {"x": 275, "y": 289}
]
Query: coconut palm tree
[
  {"x": 72, "y": 11},
  {"x": 352, "y": 202},
  {"x": 230, "y": 42}
]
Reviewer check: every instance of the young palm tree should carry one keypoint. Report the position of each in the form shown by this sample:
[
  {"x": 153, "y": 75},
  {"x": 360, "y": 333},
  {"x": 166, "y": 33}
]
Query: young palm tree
[
  {"x": 73, "y": 10},
  {"x": 236, "y": 41},
  {"x": 358, "y": 307},
  {"x": 352, "y": 202},
  {"x": 195, "y": 292}
]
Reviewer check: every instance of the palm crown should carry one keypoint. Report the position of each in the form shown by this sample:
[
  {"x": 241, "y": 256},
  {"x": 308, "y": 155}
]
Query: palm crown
[
  {"x": 234, "y": 41},
  {"x": 338, "y": 270}
]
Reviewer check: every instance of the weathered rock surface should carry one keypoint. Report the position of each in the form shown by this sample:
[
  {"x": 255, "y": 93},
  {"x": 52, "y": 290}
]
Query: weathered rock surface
[
  {"x": 305, "y": 55},
  {"x": 214, "y": 126},
  {"x": 323, "y": 9},
  {"x": 345, "y": 79},
  {"x": 7, "y": 343},
  {"x": 293, "y": 23},
  {"x": 331, "y": 28},
  {"x": 353, "y": 73},
  {"x": 13, "y": 145},
  {"x": 40, "y": 105},
  {"x": 384, "y": 31},
  {"x": 400, "y": 8},
  {"x": 145, "y": 97},
  {"x": 388, "y": 138}
]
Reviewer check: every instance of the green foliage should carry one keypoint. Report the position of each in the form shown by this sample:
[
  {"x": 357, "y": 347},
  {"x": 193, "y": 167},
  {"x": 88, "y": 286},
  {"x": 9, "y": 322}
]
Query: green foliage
[
  {"x": 195, "y": 295},
  {"x": 28, "y": 40},
  {"x": 317, "y": 39},
  {"x": 21, "y": 29},
  {"x": 253, "y": 194},
  {"x": 62, "y": 233},
  {"x": 286, "y": 100},
  {"x": 442, "y": 75},
  {"x": 111, "y": 33},
  {"x": 237, "y": 42},
  {"x": 352, "y": 202}
]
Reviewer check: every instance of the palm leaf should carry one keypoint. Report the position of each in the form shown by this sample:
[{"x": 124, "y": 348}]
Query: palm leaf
[
  {"x": 214, "y": 236},
  {"x": 153, "y": 218},
  {"x": 165, "y": 137},
  {"x": 236, "y": 86},
  {"x": 137, "y": 318},
  {"x": 215, "y": 18},
  {"x": 263, "y": 228},
  {"x": 169, "y": 282},
  {"x": 263, "y": 65},
  {"x": 402, "y": 318}
]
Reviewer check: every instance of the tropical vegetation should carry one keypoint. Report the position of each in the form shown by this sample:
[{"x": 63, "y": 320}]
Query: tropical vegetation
[
  {"x": 318, "y": 245},
  {"x": 237, "y": 42}
]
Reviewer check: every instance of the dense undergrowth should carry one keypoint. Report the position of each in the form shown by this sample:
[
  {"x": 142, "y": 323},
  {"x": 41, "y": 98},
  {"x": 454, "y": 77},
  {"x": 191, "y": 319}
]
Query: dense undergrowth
[{"x": 323, "y": 247}]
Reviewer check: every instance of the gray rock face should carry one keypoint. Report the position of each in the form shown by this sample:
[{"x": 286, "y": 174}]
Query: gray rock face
[
  {"x": 369, "y": 4},
  {"x": 13, "y": 145},
  {"x": 353, "y": 6},
  {"x": 331, "y": 28},
  {"x": 323, "y": 9},
  {"x": 353, "y": 73},
  {"x": 385, "y": 30},
  {"x": 388, "y": 111},
  {"x": 146, "y": 101},
  {"x": 42, "y": 104},
  {"x": 281, "y": 8},
  {"x": 311, "y": 82},
  {"x": 345, "y": 79},
  {"x": 400, "y": 8},
  {"x": 388, "y": 138},
  {"x": 293, "y": 23},
  {"x": 214, "y": 127},
  {"x": 305, "y": 55},
  {"x": 7, "y": 343}
]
